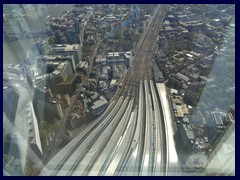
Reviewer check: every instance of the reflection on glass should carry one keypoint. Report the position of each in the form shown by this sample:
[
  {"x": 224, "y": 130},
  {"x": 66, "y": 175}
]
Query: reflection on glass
[{"x": 126, "y": 89}]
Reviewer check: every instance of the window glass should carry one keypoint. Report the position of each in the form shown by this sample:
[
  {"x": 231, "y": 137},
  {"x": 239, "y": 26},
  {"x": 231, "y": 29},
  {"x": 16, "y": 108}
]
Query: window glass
[{"x": 119, "y": 89}]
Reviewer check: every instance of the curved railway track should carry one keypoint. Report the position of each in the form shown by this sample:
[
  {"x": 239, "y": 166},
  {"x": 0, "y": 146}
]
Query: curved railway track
[{"x": 132, "y": 136}]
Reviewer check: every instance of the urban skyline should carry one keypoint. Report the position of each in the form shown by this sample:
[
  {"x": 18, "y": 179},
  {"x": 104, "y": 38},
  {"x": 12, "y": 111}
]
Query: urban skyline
[{"x": 119, "y": 89}]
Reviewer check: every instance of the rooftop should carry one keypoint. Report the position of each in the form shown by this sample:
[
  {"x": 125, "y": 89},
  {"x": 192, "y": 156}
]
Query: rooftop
[
  {"x": 68, "y": 79},
  {"x": 218, "y": 117},
  {"x": 189, "y": 132},
  {"x": 65, "y": 47},
  {"x": 182, "y": 77},
  {"x": 102, "y": 101}
]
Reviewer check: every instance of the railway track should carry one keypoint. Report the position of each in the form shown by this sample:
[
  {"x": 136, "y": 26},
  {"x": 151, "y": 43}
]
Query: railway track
[{"x": 129, "y": 137}]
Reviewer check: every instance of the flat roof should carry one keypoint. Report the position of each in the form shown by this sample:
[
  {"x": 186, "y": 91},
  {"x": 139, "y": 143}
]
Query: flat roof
[
  {"x": 56, "y": 72},
  {"x": 188, "y": 130},
  {"x": 186, "y": 120},
  {"x": 66, "y": 47},
  {"x": 218, "y": 117},
  {"x": 183, "y": 77},
  {"x": 94, "y": 95},
  {"x": 99, "y": 103},
  {"x": 113, "y": 81}
]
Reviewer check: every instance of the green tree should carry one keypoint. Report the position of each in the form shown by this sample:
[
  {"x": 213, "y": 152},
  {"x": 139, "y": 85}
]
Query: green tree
[
  {"x": 77, "y": 85},
  {"x": 87, "y": 50},
  {"x": 51, "y": 40},
  {"x": 118, "y": 34},
  {"x": 48, "y": 127}
]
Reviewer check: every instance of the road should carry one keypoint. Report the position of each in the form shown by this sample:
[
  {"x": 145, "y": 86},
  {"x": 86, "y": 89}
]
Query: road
[
  {"x": 133, "y": 136},
  {"x": 61, "y": 131}
]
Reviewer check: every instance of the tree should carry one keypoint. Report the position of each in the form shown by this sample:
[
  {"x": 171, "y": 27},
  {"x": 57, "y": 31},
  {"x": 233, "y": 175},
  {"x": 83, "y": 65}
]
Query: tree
[
  {"x": 51, "y": 40},
  {"x": 47, "y": 127},
  {"x": 118, "y": 34},
  {"x": 87, "y": 50},
  {"x": 77, "y": 85}
]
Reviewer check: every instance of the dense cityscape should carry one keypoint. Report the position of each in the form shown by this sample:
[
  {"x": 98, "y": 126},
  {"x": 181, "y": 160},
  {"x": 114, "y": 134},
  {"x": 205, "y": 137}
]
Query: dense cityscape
[{"x": 119, "y": 89}]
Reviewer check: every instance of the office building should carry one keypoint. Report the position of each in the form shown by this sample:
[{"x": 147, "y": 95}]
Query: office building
[{"x": 67, "y": 49}]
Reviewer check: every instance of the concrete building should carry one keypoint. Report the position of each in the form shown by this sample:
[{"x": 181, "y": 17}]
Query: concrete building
[
  {"x": 105, "y": 73},
  {"x": 102, "y": 85},
  {"x": 56, "y": 73},
  {"x": 113, "y": 85},
  {"x": 100, "y": 60},
  {"x": 191, "y": 98},
  {"x": 67, "y": 49},
  {"x": 61, "y": 58},
  {"x": 114, "y": 58},
  {"x": 174, "y": 82},
  {"x": 69, "y": 84},
  {"x": 118, "y": 71},
  {"x": 182, "y": 77},
  {"x": 185, "y": 140},
  {"x": 51, "y": 108},
  {"x": 82, "y": 67},
  {"x": 99, "y": 106}
]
